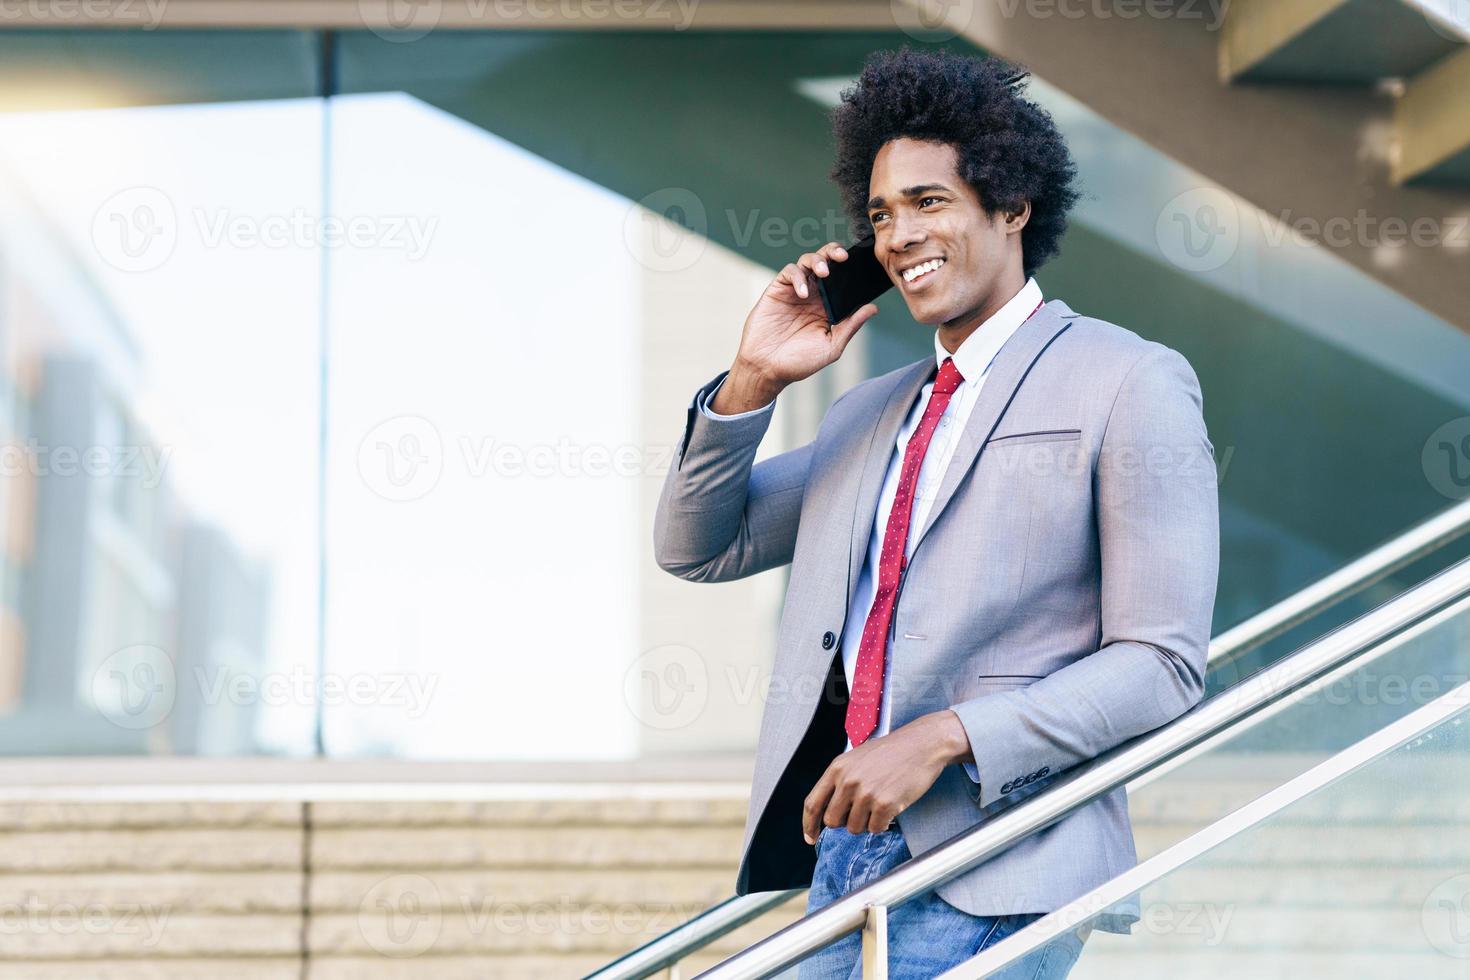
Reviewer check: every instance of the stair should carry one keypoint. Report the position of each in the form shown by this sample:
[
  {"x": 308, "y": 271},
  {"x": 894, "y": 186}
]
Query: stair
[{"x": 556, "y": 884}]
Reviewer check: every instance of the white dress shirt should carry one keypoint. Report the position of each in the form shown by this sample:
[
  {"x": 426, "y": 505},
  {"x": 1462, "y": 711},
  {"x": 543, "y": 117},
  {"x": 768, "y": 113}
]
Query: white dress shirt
[{"x": 973, "y": 360}]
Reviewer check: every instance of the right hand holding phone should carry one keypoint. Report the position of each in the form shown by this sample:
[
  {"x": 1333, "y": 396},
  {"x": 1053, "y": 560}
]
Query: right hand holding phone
[{"x": 786, "y": 336}]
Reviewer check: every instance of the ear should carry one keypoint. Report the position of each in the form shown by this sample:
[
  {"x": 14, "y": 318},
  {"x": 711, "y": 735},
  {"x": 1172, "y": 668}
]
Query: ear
[{"x": 1016, "y": 220}]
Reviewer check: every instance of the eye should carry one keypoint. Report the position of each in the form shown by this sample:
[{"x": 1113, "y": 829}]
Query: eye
[{"x": 929, "y": 198}]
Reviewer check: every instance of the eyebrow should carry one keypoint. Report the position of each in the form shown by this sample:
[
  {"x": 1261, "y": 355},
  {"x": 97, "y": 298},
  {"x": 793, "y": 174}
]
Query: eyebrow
[{"x": 909, "y": 192}]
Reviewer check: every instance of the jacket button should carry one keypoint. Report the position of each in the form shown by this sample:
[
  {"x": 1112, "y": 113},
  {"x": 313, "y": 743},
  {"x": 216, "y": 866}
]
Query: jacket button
[{"x": 828, "y": 639}]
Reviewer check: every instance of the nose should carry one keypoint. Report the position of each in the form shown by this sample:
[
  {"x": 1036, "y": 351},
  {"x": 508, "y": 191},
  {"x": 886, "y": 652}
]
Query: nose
[{"x": 906, "y": 230}]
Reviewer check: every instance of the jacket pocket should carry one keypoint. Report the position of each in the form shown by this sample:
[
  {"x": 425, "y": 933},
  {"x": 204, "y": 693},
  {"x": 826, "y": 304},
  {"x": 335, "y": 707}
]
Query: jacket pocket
[
  {"x": 989, "y": 683},
  {"x": 1040, "y": 435}
]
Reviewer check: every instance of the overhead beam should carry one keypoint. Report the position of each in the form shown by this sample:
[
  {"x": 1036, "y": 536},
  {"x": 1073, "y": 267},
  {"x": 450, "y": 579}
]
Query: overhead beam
[
  {"x": 1432, "y": 118},
  {"x": 453, "y": 14},
  {"x": 1295, "y": 152},
  {"x": 1256, "y": 29}
]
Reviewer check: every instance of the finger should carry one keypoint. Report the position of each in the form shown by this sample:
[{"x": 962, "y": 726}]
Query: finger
[
  {"x": 796, "y": 277},
  {"x": 816, "y": 803},
  {"x": 858, "y": 815},
  {"x": 844, "y": 330},
  {"x": 816, "y": 262},
  {"x": 838, "y": 807},
  {"x": 834, "y": 251},
  {"x": 879, "y": 820}
]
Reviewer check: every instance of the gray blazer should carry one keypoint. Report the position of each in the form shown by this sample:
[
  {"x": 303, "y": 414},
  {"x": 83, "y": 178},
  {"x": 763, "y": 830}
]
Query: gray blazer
[{"x": 1058, "y": 598}]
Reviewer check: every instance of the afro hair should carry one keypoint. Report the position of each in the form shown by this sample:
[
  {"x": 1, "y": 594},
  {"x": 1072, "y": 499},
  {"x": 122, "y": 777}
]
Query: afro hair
[{"x": 1008, "y": 148}]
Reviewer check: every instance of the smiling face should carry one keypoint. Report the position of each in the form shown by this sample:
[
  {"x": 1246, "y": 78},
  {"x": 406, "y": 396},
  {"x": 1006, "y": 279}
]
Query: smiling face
[{"x": 954, "y": 264}]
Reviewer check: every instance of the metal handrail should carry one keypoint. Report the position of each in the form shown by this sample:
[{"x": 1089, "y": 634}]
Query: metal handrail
[
  {"x": 667, "y": 950},
  {"x": 1423, "y": 538},
  {"x": 1343, "y": 583},
  {"x": 1083, "y": 784},
  {"x": 1367, "y": 749}
]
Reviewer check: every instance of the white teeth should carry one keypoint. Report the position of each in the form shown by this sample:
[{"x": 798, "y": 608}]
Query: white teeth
[{"x": 909, "y": 275}]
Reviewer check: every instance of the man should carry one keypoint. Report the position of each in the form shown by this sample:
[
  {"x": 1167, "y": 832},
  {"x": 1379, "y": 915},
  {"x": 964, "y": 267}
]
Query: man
[{"x": 1003, "y": 556}]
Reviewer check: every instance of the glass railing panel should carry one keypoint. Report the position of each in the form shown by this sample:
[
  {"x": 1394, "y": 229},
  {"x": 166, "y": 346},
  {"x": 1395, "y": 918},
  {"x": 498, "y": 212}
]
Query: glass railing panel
[
  {"x": 1302, "y": 729},
  {"x": 1358, "y": 867}
]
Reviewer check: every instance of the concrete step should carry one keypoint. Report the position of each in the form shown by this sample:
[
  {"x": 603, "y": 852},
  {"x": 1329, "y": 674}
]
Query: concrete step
[
  {"x": 1204, "y": 923},
  {"x": 174, "y": 848},
  {"x": 710, "y": 806},
  {"x": 152, "y": 933},
  {"x": 402, "y": 930},
  {"x": 527, "y": 847},
  {"x": 556, "y": 883},
  {"x": 191, "y": 891},
  {"x": 544, "y": 966},
  {"x": 1261, "y": 964},
  {"x": 1270, "y": 845},
  {"x": 142, "y": 815},
  {"x": 211, "y": 968},
  {"x": 345, "y": 891},
  {"x": 1387, "y": 887}
]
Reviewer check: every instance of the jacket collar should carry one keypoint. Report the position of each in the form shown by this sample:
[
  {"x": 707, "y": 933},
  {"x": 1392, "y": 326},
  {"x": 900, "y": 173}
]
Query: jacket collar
[{"x": 1007, "y": 371}]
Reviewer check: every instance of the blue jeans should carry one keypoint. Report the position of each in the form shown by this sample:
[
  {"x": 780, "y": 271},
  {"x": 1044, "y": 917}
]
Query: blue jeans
[{"x": 926, "y": 935}]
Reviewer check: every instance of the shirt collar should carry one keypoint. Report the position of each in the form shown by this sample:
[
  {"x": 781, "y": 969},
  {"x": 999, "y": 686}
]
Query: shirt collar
[{"x": 985, "y": 341}]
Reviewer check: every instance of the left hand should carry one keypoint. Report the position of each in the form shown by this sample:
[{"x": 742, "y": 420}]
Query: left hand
[{"x": 867, "y": 787}]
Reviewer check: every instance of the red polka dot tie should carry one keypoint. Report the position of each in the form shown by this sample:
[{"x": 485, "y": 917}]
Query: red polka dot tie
[{"x": 867, "y": 680}]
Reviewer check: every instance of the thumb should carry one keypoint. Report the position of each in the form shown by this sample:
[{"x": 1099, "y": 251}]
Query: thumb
[{"x": 845, "y": 330}]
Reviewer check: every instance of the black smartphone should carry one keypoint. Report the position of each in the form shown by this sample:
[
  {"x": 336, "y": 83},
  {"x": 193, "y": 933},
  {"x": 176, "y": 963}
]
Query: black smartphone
[{"x": 849, "y": 284}]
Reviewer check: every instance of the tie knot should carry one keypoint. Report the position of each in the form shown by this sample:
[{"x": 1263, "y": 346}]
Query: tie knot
[{"x": 949, "y": 378}]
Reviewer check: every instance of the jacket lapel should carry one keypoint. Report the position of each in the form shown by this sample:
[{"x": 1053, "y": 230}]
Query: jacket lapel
[{"x": 1007, "y": 372}]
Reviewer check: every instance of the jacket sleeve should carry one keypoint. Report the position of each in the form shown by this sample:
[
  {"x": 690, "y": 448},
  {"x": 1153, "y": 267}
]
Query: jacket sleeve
[
  {"x": 706, "y": 396},
  {"x": 1156, "y": 500},
  {"x": 719, "y": 517}
]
